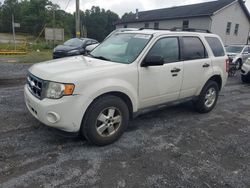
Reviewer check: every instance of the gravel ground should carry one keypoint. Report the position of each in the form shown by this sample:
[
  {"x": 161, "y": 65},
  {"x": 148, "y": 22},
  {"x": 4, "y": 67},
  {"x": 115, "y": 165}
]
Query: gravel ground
[{"x": 174, "y": 147}]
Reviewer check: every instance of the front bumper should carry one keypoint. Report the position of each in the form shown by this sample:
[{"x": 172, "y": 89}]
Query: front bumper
[
  {"x": 245, "y": 69},
  {"x": 61, "y": 113}
]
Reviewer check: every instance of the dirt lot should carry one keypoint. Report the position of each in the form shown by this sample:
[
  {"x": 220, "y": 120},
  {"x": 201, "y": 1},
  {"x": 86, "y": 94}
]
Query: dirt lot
[{"x": 174, "y": 147}]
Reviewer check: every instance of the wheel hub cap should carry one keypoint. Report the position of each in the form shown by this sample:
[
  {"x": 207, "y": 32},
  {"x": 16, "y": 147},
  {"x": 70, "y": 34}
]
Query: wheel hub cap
[
  {"x": 210, "y": 97},
  {"x": 108, "y": 121}
]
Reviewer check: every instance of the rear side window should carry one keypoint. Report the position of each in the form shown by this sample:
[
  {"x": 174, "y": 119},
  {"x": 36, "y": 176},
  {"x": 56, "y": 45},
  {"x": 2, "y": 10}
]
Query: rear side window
[
  {"x": 216, "y": 46},
  {"x": 193, "y": 48}
]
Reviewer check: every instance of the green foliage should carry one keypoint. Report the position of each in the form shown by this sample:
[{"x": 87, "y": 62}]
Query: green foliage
[
  {"x": 99, "y": 23},
  {"x": 33, "y": 15}
]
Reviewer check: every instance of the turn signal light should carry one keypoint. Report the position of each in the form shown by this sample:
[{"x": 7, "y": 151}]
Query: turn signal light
[
  {"x": 69, "y": 89},
  {"x": 227, "y": 65}
]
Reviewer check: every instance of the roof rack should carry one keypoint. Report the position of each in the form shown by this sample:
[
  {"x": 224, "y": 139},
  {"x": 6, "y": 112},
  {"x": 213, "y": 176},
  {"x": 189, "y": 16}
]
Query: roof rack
[
  {"x": 189, "y": 29},
  {"x": 180, "y": 29}
]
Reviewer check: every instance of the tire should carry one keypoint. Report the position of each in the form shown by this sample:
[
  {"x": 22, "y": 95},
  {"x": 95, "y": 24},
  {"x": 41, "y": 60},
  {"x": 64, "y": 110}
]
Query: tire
[
  {"x": 238, "y": 64},
  {"x": 245, "y": 79},
  {"x": 105, "y": 120},
  {"x": 204, "y": 104}
]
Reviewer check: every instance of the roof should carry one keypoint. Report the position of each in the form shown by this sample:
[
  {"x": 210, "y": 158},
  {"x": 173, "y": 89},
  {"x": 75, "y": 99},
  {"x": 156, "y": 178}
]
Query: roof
[{"x": 187, "y": 11}]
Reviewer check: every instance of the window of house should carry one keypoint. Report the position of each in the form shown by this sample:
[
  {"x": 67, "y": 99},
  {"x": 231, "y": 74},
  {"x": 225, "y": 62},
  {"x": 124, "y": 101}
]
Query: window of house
[
  {"x": 156, "y": 25},
  {"x": 168, "y": 48},
  {"x": 185, "y": 24},
  {"x": 125, "y": 26},
  {"x": 216, "y": 46},
  {"x": 228, "y": 30},
  {"x": 146, "y": 25},
  {"x": 236, "y": 29},
  {"x": 193, "y": 48}
]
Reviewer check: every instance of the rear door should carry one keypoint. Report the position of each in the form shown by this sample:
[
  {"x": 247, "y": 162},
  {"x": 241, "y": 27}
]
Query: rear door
[{"x": 196, "y": 64}]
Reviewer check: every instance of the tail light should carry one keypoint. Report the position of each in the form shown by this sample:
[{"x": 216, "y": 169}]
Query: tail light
[{"x": 227, "y": 65}]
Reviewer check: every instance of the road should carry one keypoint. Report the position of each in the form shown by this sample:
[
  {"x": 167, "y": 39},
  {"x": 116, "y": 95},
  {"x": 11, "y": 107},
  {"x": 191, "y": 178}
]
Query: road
[{"x": 173, "y": 147}]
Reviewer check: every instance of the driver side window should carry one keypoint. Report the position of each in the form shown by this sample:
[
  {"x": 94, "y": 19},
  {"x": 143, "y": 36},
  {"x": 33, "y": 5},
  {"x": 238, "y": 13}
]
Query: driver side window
[{"x": 168, "y": 48}]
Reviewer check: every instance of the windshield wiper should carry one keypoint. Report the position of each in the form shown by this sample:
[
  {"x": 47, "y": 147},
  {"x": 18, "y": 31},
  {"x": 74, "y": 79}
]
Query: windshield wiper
[{"x": 100, "y": 57}]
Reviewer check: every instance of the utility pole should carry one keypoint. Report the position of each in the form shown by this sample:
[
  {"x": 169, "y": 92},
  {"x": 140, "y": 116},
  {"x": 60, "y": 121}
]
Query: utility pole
[
  {"x": 13, "y": 29},
  {"x": 78, "y": 33},
  {"x": 54, "y": 20}
]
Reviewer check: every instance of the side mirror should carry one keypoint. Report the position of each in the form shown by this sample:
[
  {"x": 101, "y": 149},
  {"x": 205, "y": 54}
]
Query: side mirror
[{"x": 153, "y": 60}]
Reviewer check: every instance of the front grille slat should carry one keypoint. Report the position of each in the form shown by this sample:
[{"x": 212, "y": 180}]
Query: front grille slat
[{"x": 35, "y": 85}]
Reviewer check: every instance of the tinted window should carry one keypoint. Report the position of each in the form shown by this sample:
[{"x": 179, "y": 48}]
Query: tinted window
[
  {"x": 216, "y": 46},
  {"x": 193, "y": 48},
  {"x": 168, "y": 48},
  {"x": 74, "y": 42}
]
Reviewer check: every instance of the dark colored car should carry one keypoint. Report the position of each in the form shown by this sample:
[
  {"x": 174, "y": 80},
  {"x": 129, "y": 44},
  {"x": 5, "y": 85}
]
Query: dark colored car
[{"x": 72, "y": 47}]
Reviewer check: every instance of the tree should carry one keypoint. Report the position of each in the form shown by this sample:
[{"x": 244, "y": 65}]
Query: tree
[{"x": 99, "y": 23}]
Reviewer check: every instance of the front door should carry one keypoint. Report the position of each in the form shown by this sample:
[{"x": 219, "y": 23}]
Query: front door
[{"x": 161, "y": 84}]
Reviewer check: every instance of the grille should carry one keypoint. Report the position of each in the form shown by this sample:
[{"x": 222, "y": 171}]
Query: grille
[{"x": 35, "y": 85}]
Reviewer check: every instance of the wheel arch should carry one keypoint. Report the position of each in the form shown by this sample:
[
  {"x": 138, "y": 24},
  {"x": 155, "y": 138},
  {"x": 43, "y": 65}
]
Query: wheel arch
[
  {"x": 123, "y": 97},
  {"x": 217, "y": 79}
]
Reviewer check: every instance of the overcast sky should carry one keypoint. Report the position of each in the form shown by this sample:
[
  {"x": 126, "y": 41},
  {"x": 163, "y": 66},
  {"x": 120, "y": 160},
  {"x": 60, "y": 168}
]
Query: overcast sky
[{"x": 122, "y": 6}]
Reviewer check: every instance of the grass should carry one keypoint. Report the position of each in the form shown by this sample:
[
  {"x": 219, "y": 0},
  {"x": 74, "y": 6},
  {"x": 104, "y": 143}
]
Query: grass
[
  {"x": 31, "y": 56},
  {"x": 31, "y": 47}
]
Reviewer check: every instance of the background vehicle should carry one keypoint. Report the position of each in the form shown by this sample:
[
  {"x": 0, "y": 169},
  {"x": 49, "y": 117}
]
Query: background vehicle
[
  {"x": 245, "y": 71},
  {"x": 238, "y": 54},
  {"x": 124, "y": 76},
  {"x": 91, "y": 47},
  {"x": 72, "y": 47}
]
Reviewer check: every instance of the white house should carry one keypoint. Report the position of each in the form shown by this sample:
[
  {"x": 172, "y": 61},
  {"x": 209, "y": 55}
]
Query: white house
[{"x": 230, "y": 19}]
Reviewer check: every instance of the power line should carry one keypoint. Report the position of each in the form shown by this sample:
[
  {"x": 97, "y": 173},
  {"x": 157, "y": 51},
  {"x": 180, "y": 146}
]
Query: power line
[{"x": 67, "y": 5}]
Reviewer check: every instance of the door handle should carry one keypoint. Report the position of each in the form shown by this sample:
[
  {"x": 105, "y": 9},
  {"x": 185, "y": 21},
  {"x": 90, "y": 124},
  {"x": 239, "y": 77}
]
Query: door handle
[
  {"x": 175, "y": 70},
  {"x": 206, "y": 65}
]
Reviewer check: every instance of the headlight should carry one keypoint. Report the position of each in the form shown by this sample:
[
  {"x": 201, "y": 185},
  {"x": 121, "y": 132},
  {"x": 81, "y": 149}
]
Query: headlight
[
  {"x": 74, "y": 52},
  {"x": 57, "y": 90},
  {"x": 248, "y": 62}
]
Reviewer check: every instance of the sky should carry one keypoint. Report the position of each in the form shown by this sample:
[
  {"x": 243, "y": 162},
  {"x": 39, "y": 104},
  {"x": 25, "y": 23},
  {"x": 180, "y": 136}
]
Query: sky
[{"x": 122, "y": 6}]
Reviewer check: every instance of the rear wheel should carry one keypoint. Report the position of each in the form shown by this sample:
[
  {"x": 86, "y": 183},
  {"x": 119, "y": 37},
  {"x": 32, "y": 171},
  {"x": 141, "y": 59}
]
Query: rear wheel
[
  {"x": 105, "y": 120},
  {"x": 208, "y": 97}
]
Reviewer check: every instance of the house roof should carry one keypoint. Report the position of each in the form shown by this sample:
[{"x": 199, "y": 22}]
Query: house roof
[{"x": 187, "y": 11}]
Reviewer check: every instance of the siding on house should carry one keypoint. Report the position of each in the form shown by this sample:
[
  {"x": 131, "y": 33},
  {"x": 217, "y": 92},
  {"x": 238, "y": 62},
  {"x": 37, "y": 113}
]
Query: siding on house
[
  {"x": 215, "y": 18},
  {"x": 201, "y": 23},
  {"x": 235, "y": 15}
]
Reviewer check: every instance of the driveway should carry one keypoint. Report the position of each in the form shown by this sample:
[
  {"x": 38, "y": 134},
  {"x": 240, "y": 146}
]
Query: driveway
[{"x": 172, "y": 147}]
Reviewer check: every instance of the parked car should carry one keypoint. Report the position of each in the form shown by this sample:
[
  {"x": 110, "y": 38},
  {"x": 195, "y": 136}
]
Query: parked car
[
  {"x": 238, "y": 54},
  {"x": 96, "y": 95},
  {"x": 245, "y": 71},
  {"x": 73, "y": 47},
  {"x": 93, "y": 46}
]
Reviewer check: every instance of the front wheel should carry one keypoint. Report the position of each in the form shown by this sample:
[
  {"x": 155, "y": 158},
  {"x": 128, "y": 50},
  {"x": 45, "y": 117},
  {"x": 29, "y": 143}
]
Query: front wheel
[
  {"x": 208, "y": 97},
  {"x": 105, "y": 120},
  {"x": 238, "y": 64},
  {"x": 245, "y": 79}
]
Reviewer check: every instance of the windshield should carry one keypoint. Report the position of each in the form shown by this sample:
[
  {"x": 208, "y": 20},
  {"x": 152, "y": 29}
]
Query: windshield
[
  {"x": 121, "y": 47},
  {"x": 74, "y": 42},
  {"x": 234, "y": 49}
]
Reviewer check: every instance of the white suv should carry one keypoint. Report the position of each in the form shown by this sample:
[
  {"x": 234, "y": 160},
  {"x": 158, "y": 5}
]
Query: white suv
[
  {"x": 125, "y": 75},
  {"x": 245, "y": 71}
]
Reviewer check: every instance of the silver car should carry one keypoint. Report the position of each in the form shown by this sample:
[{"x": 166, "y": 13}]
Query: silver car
[{"x": 238, "y": 54}]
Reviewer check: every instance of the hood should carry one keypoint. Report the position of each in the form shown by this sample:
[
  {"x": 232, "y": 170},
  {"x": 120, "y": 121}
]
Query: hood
[
  {"x": 232, "y": 54},
  {"x": 71, "y": 68},
  {"x": 65, "y": 48}
]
